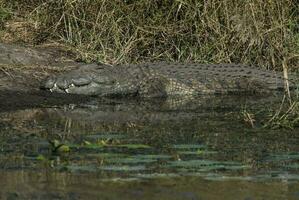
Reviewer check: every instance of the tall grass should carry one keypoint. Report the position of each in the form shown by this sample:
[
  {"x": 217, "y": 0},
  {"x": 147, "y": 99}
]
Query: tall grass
[{"x": 262, "y": 33}]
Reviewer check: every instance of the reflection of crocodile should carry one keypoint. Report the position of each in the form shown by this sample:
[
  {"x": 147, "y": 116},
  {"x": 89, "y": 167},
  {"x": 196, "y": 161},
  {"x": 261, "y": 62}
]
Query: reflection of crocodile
[{"x": 165, "y": 79}]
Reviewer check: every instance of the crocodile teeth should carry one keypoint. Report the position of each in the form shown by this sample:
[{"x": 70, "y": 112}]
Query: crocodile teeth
[
  {"x": 53, "y": 88},
  {"x": 70, "y": 86}
]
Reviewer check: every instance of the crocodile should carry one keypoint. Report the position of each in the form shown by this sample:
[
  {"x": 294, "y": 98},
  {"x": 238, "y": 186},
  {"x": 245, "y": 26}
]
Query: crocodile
[
  {"x": 166, "y": 79},
  {"x": 23, "y": 67}
]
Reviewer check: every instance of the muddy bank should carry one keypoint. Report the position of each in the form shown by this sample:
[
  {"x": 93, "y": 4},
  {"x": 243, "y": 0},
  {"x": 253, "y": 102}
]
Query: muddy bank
[{"x": 23, "y": 69}]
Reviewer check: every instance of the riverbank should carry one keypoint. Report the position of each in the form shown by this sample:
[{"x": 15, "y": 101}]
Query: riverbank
[
  {"x": 23, "y": 68},
  {"x": 263, "y": 34}
]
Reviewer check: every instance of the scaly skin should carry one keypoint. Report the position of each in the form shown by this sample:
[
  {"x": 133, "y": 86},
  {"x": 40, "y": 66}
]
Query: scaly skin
[
  {"x": 166, "y": 79},
  {"x": 144, "y": 80}
]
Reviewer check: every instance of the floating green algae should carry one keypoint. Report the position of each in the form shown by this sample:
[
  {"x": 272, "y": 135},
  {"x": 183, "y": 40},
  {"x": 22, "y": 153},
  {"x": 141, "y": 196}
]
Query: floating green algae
[
  {"x": 124, "y": 168},
  {"x": 206, "y": 165},
  {"x": 189, "y": 146}
]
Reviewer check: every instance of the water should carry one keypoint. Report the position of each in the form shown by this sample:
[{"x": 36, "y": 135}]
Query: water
[{"x": 169, "y": 149}]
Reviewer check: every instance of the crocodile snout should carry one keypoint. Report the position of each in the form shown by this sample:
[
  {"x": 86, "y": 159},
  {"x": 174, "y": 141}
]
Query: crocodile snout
[
  {"x": 63, "y": 83},
  {"x": 76, "y": 85}
]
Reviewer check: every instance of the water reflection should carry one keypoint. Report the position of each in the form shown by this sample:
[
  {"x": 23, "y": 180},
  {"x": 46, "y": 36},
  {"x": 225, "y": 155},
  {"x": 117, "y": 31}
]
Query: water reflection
[
  {"x": 45, "y": 185},
  {"x": 130, "y": 141}
]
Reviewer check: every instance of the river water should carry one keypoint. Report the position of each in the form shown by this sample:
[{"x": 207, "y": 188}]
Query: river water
[{"x": 206, "y": 148}]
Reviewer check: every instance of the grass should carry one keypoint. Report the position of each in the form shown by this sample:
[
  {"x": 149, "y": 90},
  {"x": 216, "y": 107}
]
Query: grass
[
  {"x": 262, "y": 33},
  {"x": 287, "y": 116},
  {"x": 284, "y": 115}
]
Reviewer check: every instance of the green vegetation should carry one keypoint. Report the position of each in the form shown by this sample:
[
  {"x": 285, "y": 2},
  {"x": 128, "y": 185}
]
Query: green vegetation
[
  {"x": 263, "y": 33},
  {"x": 4, "y": 14}
]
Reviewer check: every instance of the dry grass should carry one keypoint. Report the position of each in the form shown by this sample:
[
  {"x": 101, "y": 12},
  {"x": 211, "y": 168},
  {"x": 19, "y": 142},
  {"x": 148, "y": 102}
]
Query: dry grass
[
  {"x": 263, "y": 33},
  {"x": 287, "y": 116}
]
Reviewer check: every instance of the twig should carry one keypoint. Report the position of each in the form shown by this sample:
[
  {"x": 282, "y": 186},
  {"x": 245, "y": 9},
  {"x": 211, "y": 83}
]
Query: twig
[{"x": 286, "y": 80}]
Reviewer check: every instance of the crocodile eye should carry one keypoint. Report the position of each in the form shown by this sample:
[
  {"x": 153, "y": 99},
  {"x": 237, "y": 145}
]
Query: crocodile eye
[
  {"x": 102, "y": 79},
  {"x": 100, "y": 67}
]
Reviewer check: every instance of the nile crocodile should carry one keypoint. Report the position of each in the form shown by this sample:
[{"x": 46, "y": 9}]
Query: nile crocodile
[
  {"x": 166, "y": 79},
  {"x": 19, "y": 63}
]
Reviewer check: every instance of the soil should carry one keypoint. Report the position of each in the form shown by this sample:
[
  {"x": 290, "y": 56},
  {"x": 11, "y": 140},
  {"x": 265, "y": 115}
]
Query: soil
[{"x": 22, "y": 71}]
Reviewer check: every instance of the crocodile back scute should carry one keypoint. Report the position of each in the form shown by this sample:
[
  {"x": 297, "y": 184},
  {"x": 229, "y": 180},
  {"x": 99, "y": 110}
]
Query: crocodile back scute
[{"x": 221, "y": 78}]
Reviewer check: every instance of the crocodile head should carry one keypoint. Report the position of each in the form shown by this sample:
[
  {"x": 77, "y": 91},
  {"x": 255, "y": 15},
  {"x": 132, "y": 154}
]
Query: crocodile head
[{"x": 97, "y": 80}]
